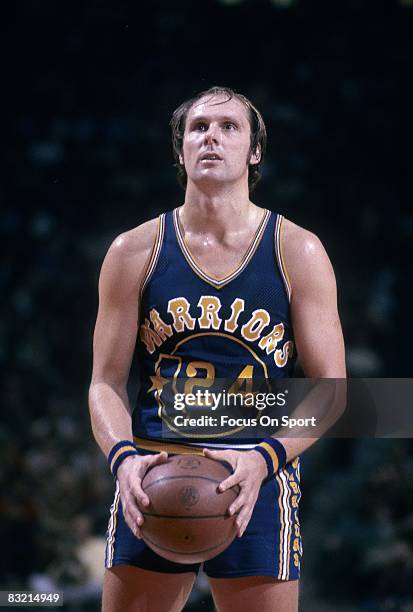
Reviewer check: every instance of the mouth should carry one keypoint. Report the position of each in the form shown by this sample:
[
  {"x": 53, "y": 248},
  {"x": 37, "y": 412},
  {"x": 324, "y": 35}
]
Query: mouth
[{"x": 210, "y": 157}]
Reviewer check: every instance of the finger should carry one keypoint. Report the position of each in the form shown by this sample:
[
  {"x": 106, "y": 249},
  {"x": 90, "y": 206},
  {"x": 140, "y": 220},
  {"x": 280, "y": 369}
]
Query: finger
[
  {"x": 140, "y": 495},
  {"x": 228, "y": 457},
  {"x": 133, "y": 516},
  {"x": 229, "y": 482},
  {"x": 134, "y": 527},
  {"x": 136, "y": 493},
  {"x": 243, "y": 519},
  {"x": 132, "y": 510},
  {"x": 237, "y": 504}
]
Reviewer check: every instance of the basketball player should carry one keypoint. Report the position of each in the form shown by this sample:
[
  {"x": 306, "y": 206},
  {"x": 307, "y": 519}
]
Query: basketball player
[{"x": 221, "y": 287}]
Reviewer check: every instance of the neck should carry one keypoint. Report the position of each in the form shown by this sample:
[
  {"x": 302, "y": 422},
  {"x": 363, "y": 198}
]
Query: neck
[{"x": 217, "y": 210}]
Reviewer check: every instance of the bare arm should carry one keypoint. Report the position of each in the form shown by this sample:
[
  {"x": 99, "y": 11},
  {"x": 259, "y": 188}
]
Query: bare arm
[
  {"x": 115, "y": 337},
  {"x": 316, "y": 324},
  {"x": 114, "y": 342}
]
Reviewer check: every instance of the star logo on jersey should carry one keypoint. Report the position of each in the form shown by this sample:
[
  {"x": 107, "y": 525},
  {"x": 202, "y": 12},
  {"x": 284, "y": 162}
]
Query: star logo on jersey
[{"x": 158, "y": 383}]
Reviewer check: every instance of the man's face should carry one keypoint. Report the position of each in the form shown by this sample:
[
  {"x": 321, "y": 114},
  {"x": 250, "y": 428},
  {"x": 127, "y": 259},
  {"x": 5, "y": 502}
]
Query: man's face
[{"x": 216, "y": 145}]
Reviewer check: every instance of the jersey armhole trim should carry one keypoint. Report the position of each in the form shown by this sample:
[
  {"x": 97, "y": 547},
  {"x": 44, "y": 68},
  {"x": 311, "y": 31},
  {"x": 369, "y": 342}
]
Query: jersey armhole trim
[
  {"x": 156, "y": 249},
  {"x": 279, "y": 254}
]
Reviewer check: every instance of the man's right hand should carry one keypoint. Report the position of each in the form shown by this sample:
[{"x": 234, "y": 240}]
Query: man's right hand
[{"x": 130, "y": 475}]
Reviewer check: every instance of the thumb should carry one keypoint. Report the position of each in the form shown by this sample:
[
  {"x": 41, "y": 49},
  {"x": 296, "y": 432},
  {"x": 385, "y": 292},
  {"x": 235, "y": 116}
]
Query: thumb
[
  {"x": 151, "y": 461},
  {"x": 157, "y": 459},
  {"x": 220, "y": 455}
]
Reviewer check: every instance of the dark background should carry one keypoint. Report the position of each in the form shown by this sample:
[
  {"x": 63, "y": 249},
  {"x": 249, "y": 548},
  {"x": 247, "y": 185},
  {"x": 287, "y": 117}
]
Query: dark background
[{"x": 88, "y": 89}]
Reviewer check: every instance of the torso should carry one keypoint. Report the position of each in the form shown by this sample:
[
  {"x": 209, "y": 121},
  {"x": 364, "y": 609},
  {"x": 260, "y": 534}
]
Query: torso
[{"x": 199, "y": 318}]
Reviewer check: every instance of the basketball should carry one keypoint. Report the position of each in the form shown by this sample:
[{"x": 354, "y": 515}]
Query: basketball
[{"x": 187, "y": 519}]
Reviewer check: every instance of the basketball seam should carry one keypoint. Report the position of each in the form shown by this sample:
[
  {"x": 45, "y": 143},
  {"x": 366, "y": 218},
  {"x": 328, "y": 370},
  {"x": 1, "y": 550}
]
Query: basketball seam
[
  {"x": 190, "y": 518},
  {"x": 183, "y": 477},
  {"x": 196, "y": 552}
]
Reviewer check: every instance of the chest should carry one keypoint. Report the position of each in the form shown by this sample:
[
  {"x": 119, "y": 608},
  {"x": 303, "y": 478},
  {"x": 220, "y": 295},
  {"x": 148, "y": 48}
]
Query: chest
[{"x": 218, "y": 258}]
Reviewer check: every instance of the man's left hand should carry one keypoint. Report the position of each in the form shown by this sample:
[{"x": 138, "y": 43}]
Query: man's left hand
[{"x": 250, "y": 470}]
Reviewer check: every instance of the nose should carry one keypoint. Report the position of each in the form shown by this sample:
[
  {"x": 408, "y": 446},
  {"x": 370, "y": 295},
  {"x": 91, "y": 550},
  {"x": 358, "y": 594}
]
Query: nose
[{"x": 211, "y": 135}]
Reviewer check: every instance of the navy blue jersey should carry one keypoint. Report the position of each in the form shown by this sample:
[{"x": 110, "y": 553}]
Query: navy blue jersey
[{"x": 196, "y": 327}]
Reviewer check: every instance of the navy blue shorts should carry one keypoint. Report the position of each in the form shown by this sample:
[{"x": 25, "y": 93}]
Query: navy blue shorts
[{"x": 270, "y": 546}]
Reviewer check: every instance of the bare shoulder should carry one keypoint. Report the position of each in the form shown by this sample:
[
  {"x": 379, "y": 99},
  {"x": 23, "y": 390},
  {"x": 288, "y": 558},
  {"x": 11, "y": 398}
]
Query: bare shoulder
[
  {"x": 304, "y": 256},
  {"x": 135, "y": 242},
  {"x": 128, "y": 256}
]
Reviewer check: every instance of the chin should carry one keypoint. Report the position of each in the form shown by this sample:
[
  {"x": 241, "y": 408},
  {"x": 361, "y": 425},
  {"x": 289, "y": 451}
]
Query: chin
[{"x": 212, "y": 176}]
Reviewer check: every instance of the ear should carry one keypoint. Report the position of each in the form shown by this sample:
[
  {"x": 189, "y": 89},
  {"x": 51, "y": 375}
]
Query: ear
[
  {"x": 181, "y": 159},
  {"x": 255, "y": 156}
]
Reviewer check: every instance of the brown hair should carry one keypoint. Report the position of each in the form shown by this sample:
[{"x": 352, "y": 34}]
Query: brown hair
[{"x": 258, "y": 131}]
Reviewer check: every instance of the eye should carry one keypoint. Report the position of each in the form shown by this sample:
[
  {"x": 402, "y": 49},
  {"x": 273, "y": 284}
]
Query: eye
[
  {"x": 201, "y": 126},
  {"x": 228, "y": 125}
]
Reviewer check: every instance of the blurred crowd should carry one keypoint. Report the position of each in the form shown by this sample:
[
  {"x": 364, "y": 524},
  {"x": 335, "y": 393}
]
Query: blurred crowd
[{"x": 86, "y": 155}]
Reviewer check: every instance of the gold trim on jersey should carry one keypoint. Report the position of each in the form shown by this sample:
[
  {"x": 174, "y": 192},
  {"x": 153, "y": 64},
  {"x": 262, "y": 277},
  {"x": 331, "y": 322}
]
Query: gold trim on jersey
[
  {"x": 218, "y": 283},
  {"x": 279, "y": 225},
  {"x": 156, "y": 249}
]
